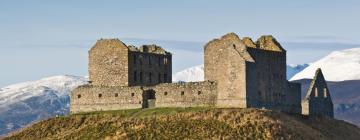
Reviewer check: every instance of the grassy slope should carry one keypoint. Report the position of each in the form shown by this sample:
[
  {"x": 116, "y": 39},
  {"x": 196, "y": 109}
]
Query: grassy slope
[{"x": 189, "y": 123}]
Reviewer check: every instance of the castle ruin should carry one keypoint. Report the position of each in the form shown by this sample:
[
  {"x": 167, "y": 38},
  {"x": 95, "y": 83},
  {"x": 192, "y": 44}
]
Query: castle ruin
[{"x": 239, "y": 73}]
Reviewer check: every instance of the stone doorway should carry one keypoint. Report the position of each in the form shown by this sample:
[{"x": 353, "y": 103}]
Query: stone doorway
[{"x": 149, "y": 98}]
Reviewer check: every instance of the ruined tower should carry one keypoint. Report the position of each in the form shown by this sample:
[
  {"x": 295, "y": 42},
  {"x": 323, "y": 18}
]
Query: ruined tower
[
  {"x": 273, "y": 89},
  {"x": 113, "y": 63},
  {"x": 226, "y": 61},
  {"x": 317, "y": 101},
  {"x": 251, "y": 74}
]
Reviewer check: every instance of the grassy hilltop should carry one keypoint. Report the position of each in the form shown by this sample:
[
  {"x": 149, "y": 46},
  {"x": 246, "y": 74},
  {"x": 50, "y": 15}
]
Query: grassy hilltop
[{"x": 189, "y": 123}]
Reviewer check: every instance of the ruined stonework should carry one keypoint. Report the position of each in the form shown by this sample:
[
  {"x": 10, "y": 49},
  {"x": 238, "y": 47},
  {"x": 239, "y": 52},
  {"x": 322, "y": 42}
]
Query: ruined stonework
[
  {"x": 239, "y": 73},
  {"x": 190, "y": 94},
  {"x": 250, "y": 74},
  {"x": 98, "y": 98},
  {"x": 318, "y": 100},
  {"x": 113, "y": 63},
  {"x": 225, "y": 62}
]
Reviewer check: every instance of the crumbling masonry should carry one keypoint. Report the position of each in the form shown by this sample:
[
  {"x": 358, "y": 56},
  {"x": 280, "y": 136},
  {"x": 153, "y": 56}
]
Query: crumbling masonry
[{"x": 239, "y": 73}]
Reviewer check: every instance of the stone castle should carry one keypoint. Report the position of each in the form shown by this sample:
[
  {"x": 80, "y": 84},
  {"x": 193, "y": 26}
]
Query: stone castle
[{"x": 239, "y": 73}]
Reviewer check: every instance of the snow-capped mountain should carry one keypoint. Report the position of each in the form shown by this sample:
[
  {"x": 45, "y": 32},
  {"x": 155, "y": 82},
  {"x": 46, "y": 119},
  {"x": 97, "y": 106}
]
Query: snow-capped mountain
[
  {"x": 192, "y": 74},
  {"x": 337, "y": 66},
  {"x": 24, "y": 103},
  {"x": 196, "y": 73}
]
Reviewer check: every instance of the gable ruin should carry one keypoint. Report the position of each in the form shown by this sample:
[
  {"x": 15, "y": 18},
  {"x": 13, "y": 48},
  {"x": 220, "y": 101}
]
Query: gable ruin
[{"x": 317, "y": 101}]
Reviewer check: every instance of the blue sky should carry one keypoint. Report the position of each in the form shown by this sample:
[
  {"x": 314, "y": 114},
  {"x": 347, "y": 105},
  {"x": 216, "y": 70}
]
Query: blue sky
[{"x": 42, "y": 38}]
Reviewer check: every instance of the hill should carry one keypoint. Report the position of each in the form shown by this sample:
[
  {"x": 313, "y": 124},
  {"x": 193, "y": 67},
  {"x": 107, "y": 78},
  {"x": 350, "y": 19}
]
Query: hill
[{"x": 189, "y": 123}]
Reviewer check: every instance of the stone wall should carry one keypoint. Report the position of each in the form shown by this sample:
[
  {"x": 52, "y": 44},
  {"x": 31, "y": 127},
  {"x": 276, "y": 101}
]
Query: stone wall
[
  {"x": 97, "y": 98},
  {"x": 108, "y": 63},
  {"x": 270, "y": 67},
  {"x": 317, "y": 101},
  {"x": 190, "y": 94},
  {"x": 292, "y": 101}
]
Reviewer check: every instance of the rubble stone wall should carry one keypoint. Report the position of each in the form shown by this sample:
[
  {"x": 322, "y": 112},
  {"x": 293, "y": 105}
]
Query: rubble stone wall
[
  {"x": 192, "y": 94},
  {"x": 98, "y": 98},
  {"x": 108, "y": 63}
]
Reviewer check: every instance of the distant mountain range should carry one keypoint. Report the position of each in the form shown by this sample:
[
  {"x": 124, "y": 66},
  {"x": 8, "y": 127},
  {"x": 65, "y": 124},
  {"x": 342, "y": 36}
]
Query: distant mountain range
[{"x": 24, "y": 103}]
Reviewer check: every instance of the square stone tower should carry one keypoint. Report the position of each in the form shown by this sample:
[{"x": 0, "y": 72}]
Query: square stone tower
[
  {"x": 228, "y": 63},
  {"x": 250, "y": 74},
  {"x": 270, "y": 67},
  {"x": 113, "y": 63}
]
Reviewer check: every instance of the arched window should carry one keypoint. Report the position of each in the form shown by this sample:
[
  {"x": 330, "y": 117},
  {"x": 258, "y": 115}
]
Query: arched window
[
  {"x": 79, "y": 96},
  {"x": 316, "y": 92},
  {"x": 182, "y": 92},
  {"x": 100, "y": 95},
  {"x": 325, "y": 93}
]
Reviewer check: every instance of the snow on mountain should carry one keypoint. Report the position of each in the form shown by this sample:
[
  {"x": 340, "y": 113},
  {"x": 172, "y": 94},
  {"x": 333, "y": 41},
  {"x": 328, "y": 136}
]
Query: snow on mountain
[
  {"x": 192, "y": 74},
  {"x": 24, "y": 103},
  {"x": 337, "y": 66},
  {"x": 196, "y": 73}
]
